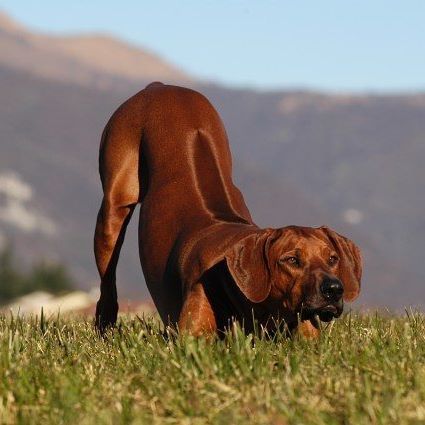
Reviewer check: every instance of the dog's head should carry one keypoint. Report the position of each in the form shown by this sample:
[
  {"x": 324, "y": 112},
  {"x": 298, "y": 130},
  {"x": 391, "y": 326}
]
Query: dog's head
[{"x": 303, "y": 270}]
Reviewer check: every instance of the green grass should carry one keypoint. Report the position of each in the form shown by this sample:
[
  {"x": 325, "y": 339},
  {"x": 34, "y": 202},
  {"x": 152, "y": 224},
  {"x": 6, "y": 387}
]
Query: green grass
[{"x": 364, "y": 369}]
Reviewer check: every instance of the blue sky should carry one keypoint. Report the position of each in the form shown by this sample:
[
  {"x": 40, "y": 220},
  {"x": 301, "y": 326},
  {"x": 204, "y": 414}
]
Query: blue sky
[{"x": 363, "y": 45}]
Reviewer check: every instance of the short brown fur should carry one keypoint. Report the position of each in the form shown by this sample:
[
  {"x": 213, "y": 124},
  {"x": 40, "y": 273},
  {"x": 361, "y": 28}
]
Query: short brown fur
[{"x": 204, "y": 259}]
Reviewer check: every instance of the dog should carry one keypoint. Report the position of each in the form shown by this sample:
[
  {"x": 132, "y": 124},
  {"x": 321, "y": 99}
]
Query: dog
[{"x": 205, "y": 261}]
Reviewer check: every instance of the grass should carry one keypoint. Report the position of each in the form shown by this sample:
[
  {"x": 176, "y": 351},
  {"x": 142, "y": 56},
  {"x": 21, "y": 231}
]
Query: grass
[{"x": 363, "y": 370}]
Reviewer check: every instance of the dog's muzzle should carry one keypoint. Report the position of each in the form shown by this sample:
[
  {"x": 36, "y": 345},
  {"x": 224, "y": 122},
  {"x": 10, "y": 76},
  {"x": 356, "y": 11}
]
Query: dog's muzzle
[{"x": 324, "y": 314}]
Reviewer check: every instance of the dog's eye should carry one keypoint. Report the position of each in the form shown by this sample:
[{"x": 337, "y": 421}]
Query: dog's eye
[
  {"x": 333, "y": 259},
  {"x": 293, "y": 261}
]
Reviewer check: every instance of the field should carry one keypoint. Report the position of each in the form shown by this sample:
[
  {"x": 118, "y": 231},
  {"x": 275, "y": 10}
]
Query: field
[{"x": 364, "y": 369}]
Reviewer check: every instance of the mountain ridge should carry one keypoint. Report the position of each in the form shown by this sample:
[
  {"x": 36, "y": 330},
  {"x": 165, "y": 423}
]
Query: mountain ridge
[{"x": 88, "y": 59}]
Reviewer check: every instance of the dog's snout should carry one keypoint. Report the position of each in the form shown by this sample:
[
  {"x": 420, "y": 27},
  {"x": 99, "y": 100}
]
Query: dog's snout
[{"x": 332, "y": 289}]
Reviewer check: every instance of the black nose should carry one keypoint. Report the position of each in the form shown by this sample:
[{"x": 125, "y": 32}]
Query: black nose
[{"x": 332, "y": 289}]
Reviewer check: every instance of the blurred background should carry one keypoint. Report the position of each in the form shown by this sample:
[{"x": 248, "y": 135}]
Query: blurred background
[{"x": 324, "y": 104}]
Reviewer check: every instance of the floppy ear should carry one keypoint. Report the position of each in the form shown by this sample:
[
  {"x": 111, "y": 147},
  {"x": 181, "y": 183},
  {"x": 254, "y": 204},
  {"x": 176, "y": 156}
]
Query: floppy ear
[
  {"x": 248, "y": 264},
  {"x": 350, "y": 266}
]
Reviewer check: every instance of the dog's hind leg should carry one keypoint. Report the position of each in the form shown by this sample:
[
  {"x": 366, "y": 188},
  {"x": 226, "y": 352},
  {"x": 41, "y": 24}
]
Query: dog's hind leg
[{"x": 119, "y": 172}]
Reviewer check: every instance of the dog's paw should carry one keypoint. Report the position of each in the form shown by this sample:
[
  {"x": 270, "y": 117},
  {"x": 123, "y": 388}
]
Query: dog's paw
[
  {"x": 106, "y": 315},
  {"x": 307, "y": 330}
]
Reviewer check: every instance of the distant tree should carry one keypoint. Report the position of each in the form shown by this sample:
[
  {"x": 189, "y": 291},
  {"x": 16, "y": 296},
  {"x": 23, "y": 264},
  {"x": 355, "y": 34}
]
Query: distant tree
[
  {"x": 50, "y": 277},
  {"x": 12, "y": 283},
  {"x": 42, "y": 276}
]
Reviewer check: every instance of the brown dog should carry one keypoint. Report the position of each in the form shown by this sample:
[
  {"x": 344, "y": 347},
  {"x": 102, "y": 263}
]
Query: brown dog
[{"x": 204, "y": 260}]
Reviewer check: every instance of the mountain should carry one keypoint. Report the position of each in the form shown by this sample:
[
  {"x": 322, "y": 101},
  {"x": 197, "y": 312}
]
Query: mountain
[
  {"x": 90, "y": 60},
  {"x": 352, "y": 162}
]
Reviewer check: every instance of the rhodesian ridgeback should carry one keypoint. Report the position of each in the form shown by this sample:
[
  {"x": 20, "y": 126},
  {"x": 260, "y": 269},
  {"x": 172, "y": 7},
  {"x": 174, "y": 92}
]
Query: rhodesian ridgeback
[{"x": 204, "y": 259}]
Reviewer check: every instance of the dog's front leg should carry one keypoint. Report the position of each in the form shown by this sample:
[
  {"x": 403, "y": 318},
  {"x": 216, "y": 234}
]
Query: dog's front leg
[
  {"x": 197, "y": 316},
  {"x": 307, "y": 330}
]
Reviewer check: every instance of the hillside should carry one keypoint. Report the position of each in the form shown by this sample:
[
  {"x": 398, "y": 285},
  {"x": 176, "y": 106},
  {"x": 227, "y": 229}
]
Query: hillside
[
  {"x": 90, "y": 60},
  {"x": 352, "y": 162}
]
